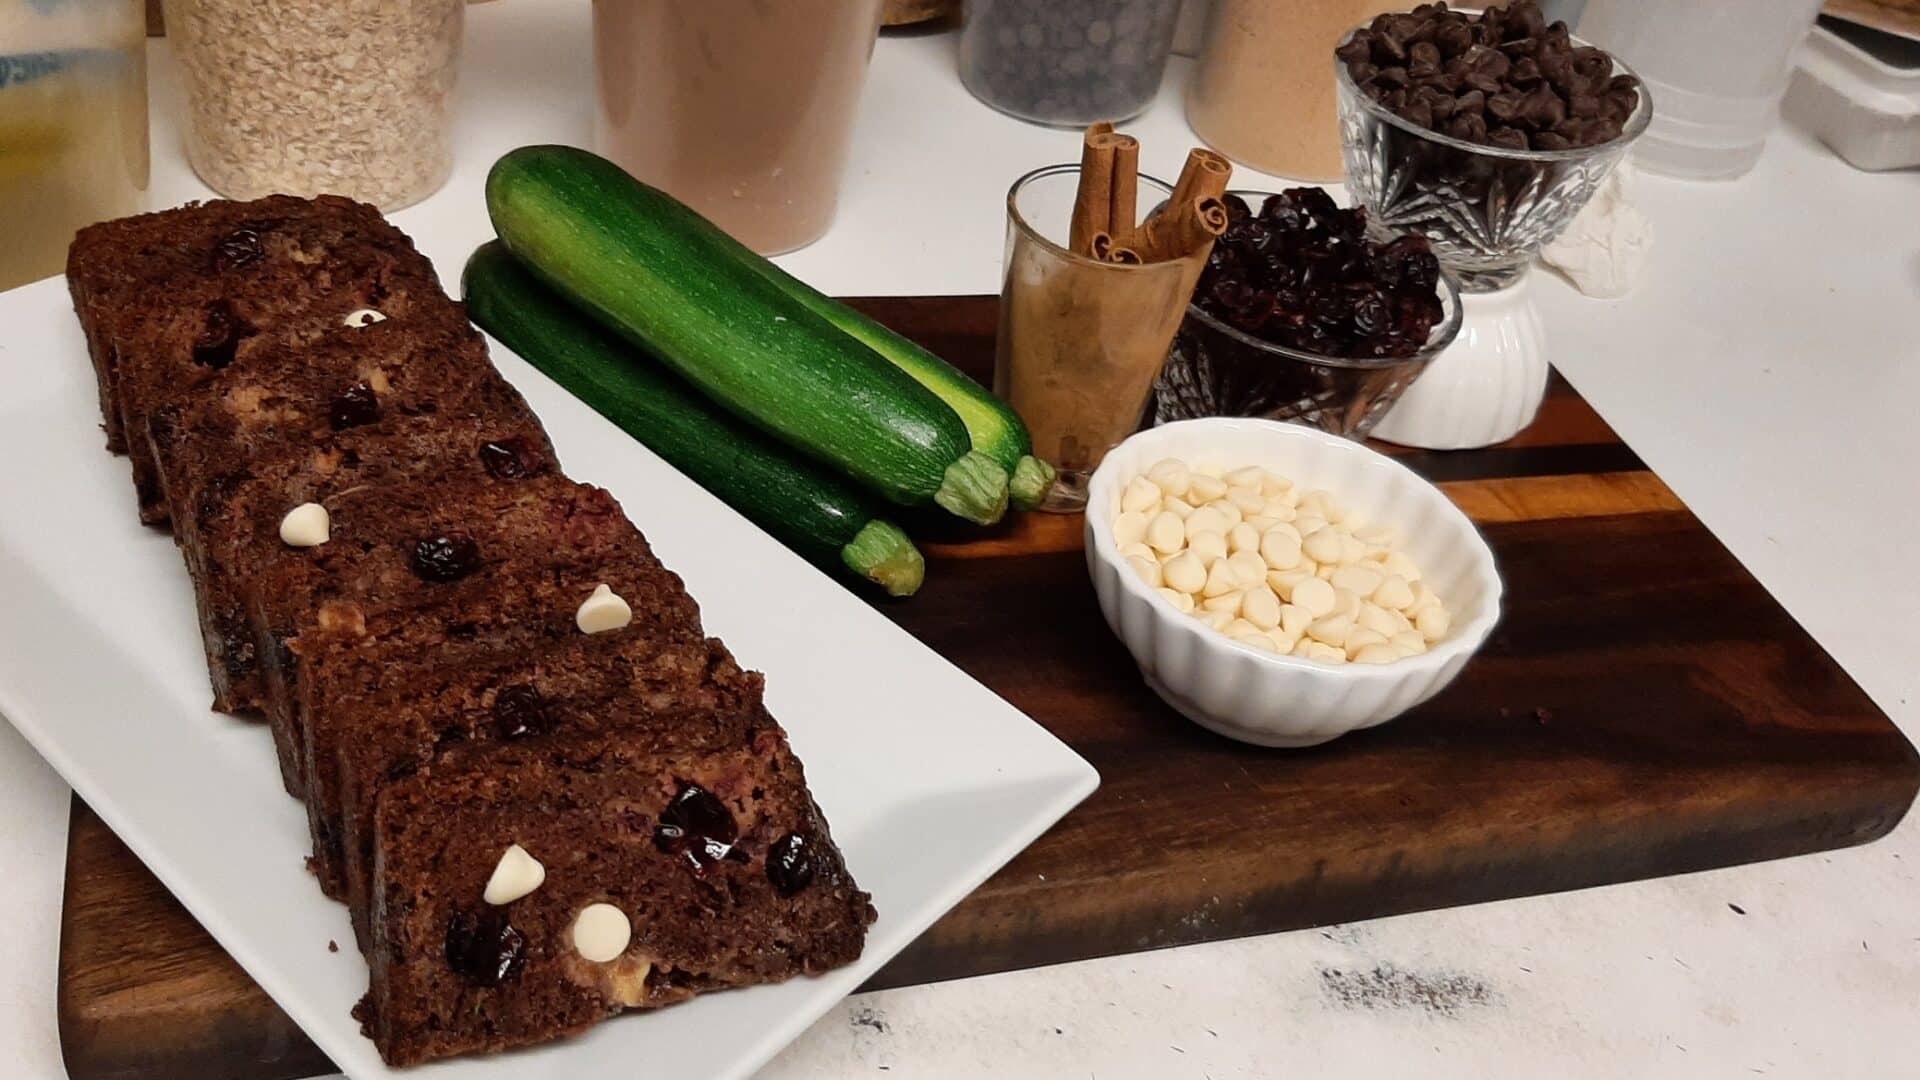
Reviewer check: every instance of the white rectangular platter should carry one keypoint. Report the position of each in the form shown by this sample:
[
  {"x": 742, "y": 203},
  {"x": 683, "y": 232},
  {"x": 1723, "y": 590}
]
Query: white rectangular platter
[{"x": 930, "y": 781}]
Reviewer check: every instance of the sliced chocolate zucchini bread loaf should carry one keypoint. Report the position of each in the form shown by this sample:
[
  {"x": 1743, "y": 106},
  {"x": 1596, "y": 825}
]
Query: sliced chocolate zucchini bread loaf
[
  {"x": 539, "y": 886},
  {"x": 547, "y": 795}
]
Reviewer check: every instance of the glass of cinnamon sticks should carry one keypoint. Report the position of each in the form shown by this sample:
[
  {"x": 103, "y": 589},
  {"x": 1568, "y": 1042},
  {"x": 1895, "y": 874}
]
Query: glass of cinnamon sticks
[{"x": 1093, "y": 291}]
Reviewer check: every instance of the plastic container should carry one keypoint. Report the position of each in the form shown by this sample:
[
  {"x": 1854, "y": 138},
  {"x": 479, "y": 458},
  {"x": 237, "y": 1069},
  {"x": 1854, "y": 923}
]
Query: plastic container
[
  {"x": 1858, "y": 91},
  {"x": 741, "y": 109},
  {"x": 1263, "y": 88},
  {"x": 73, "y": 125},
  {"x": 305, "y": 97},
  {"x": 1717, "y": 69},
  {"x": 1067, "y": 62}
]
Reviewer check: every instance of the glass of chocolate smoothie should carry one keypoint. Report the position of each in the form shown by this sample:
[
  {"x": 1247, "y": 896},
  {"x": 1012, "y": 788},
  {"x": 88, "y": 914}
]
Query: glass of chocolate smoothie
[{"x": 742, "y": 109}]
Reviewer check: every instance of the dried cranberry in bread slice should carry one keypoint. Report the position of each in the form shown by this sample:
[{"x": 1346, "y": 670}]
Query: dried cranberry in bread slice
[
  {"x": 666, "y": 875},
  {"x": 231, "y": 520},
  {"x": 675, "y": 693},
  {"x": 290, "y": 395},
  {"x": 354, "y": 651}
]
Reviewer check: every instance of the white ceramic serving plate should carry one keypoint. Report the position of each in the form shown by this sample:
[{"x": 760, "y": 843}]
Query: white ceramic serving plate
[
  {"x": 1256, "y": 696},
  {"x": 930, "y": 781}
]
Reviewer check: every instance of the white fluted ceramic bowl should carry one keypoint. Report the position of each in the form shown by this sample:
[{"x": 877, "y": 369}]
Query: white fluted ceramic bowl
[{"x": 1260, "y": 697}]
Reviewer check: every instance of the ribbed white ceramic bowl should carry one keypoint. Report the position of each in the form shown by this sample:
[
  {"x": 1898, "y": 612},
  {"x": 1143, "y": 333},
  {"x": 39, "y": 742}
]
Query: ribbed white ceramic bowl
[{"x": 1260, "y": 697}]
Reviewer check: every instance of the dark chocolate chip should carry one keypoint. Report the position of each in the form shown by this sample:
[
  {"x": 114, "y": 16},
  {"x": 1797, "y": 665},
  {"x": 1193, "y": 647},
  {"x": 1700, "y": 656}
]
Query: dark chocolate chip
[{"x": 483, "y": 948}]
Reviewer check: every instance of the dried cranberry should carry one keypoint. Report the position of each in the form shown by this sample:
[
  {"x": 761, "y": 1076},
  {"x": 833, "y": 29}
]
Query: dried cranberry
[
  {"x": 520, "y": 710},
  {"x": 446, "y": 558},
  {"x": 219, "y": 337},
  {"x": 696, "y": 823},
  {"x": 511, "y": 459},
  {"x": 790, "y": 864},
  {"x": 354, "y": 406},
  {"x": 483, "y": 948},
  {"x": 237, "y": 248}
]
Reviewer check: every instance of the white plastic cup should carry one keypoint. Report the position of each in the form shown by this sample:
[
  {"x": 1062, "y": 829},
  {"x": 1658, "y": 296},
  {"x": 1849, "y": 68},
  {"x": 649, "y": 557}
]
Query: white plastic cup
[{"x": 1716, "y": 71}]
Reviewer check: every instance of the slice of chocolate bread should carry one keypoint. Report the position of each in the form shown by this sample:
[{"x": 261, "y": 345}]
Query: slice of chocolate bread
[
  {"x": 290, "y": 395},
  {"x": 182, "y": 293},
  {"x": 228, "y": 521},
  {"x": 355, "y": 652},
  {"x": 677, "y": 694},
  {"x": 665, "y": 875}
]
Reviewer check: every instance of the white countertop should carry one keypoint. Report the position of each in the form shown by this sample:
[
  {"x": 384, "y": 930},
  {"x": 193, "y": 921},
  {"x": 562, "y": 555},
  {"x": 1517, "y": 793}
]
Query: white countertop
[{"x": 1767, "y": 370}]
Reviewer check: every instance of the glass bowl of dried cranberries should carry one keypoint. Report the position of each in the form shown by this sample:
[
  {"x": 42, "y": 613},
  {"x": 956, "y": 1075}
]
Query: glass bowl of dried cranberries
[
  {"x": 1485, "y": 132},
  {"x": 1300, "y": 316}
]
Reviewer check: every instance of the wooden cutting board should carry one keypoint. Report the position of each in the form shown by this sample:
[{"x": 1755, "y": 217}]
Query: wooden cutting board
[{"x": 1645, "y": 708}]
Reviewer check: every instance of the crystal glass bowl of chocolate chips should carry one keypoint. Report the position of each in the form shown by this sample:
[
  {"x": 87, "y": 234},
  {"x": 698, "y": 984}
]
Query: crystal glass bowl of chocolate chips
[
  {"x": 1484, "y": 132},
  {"x": 1300, "y": 316}
]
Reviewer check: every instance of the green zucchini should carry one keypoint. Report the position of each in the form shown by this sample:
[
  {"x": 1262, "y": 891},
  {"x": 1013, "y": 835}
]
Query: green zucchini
[
  {"x": 806, "y": 508},
  {"x": 665, "y": 279},
  {"x": 996, "y": 430}
]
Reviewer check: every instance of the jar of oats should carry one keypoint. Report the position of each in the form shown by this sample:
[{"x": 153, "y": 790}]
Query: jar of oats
[{"x": 304, "y": 97}]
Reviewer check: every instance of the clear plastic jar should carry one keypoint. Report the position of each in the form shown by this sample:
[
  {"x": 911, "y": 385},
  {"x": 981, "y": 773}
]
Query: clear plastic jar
[
  {"x": 1262, "y": 91},
  {"x": 1067, "y": 62},
  {"x": 304, "y": 97},
  {"x": 741, "y": 109},
  {"x": 73, "y": 125}
]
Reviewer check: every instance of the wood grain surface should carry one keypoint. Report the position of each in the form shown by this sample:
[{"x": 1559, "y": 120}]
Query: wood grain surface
[{"x": 1644, "y": 708}]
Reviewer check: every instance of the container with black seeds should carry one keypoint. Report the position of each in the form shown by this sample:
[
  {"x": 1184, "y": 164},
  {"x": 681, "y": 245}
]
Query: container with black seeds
[{"x": 1068, "y": 62}]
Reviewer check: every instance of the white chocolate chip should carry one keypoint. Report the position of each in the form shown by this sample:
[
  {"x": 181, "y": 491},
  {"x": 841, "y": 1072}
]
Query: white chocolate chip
[
  {"x": 1248, "y": 569},
  {"x": 601, "y": 932},
  {"x": 1378, "y": 619},
  {"x": 1142, "y": 551},
  {"x": 1248, "y": 499},
  {"x": 1280, "y": 550},
  {"x": 1184, "y": 572},
  {"x": 1140, "y": 496},
  {"x": 1332, "y": 630},
  {"x": 1360, "y": 637},
  {"x": 1205, "y": 520},
  {"x": 1308, "y": 524},
  {"x": 1408, "y": 643},
  {"x": 1207, "y": 547},
  {"x": 365, "y": 316},
  {"x": 1243, "y": 537},
  {"x": 1261, "y": 607},
  {"x": 1358, "y": 578},
  {"x": 1206, "y": 488},
  {"x": 1130, "y": 528},
  {"x": 601, "y": 611},
  {"x": 514, "y": 876},
  {"x": 1283, "y": 582},
  {"x": 1385, "y": 536},
  {"x": 1246, "y": 476},
  {"x": 306, "y": 525},
  {"x": 1166, "y": 533},
  {"x": 1183, "y": 603},
  {"x": 1179, "y": 508},
  {"x": 1218, "y": 620},
  {"x": 1433, "y": 622},
  {"x": 1172, "y": 476},
  {"x": 1326, "y": 654},
  {"x": 1394, "y": 593},
  {"x": 1397, "y": 562},
  {"x": 1273, "y": 484},
  {"x": 1228, "y": 512},
  {"x": 1378, "y": 653},
  {"x": 1241, "y": 626},
  {"x": 1228, "y": 602},
  {"x": 1255, "y": 639},
  {"x": 1283, "y": 643},
  {"x": 1324, "y": 545},
  {"x": 1220, "y": 579},
  {"x": 1315, "y": 595},
  {"x": 1294, "y": 619}
]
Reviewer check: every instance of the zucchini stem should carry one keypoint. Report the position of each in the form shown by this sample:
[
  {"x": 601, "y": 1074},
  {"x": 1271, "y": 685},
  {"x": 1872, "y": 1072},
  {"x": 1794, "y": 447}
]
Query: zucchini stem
[
  {"x": 1032, "y": 479},
  {"x": 975, "y": 488},
  {"x": 884, "y": 555}
]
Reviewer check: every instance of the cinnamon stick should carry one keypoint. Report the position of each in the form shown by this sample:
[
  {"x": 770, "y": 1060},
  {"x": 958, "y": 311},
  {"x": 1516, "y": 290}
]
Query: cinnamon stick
[
  {"x": 1125, "y": 190},
  {"x": 1093, "y": 199},
  {"x": 1204, "y": 176}
]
